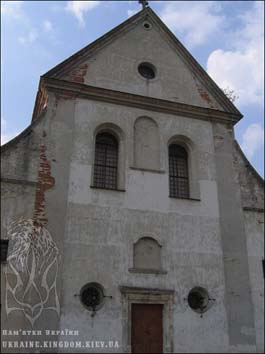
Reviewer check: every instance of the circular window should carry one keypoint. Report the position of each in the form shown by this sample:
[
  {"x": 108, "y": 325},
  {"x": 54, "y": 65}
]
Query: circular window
[
  {"x": 198, "y": 299},
  {"x": 147, "y": 26},
  {"x": 147, "y": 70},
  {"x": 92, "y": 296}
]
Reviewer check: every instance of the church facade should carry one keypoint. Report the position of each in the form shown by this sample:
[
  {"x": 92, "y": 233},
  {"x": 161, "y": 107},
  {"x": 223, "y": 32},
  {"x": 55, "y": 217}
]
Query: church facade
[{"x": 131, "y": 219}]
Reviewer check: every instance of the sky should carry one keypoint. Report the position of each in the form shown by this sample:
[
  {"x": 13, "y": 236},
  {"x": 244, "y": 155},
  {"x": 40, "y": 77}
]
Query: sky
[{"x": 225, "y": 37}]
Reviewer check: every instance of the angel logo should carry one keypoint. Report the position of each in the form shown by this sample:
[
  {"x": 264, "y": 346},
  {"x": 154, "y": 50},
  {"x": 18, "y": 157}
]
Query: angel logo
[{"x": 33, "y": 261}]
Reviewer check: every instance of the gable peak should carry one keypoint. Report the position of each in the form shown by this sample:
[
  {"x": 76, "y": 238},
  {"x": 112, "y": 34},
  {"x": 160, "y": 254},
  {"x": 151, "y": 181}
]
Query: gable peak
[{"x": 77, "y": 60}]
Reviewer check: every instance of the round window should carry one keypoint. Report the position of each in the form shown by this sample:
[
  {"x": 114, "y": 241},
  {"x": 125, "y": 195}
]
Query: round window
[
  {"x": 147, "y": 70},
  {"x": 147, "y": 25},
  {"x": 198, "y": 299},
  {"x": 92, "y": 296}
]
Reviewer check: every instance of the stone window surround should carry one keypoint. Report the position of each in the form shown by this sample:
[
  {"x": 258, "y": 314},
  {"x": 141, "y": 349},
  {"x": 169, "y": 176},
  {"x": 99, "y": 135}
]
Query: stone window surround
[{"x": 134, "y": 295}]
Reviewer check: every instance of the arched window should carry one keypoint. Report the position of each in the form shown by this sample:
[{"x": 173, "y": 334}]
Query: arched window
[
  {"x": 106, "y": 161},
  {"x": 178, "y": 172}
]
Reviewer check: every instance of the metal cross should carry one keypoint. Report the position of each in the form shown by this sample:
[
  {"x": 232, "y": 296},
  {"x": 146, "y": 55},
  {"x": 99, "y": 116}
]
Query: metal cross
[{"x": 144, "y": 3}]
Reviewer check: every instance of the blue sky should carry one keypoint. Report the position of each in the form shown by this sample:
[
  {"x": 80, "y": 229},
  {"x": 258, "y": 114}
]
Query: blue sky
[{"x": 226, "y": 38}]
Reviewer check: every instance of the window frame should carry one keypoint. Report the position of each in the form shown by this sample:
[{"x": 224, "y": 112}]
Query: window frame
[
  {"x": 178, "y": 176},
  {"x": 105, "y": 166}
]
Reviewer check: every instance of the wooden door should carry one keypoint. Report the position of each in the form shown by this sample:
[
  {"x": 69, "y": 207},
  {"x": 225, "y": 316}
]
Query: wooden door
[{"x": 147, "y": 328}]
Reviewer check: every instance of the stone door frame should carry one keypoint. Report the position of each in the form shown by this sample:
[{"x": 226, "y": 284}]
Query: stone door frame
[{"x": 147, "y": 296}]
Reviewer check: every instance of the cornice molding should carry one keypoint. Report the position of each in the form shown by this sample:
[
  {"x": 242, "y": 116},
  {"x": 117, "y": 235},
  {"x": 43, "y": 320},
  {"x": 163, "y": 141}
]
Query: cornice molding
[{"x": 76, "y": 90}]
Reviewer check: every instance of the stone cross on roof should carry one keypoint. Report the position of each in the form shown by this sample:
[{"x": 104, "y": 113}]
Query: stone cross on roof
[{"x": 144, "y": 3}]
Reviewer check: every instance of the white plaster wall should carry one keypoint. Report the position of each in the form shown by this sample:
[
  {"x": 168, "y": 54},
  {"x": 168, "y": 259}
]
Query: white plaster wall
[
  {"x": 99, "y": 248},
  {"x": 103, "y": 225},
  {"x": 140, "y": 185}
]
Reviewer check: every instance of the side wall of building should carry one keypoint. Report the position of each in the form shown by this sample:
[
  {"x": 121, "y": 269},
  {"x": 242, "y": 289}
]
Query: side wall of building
[
  {"x": 34, "y": 184},
  {"x": 252, "y": 196},
  {"x": 19, "y": 169}
]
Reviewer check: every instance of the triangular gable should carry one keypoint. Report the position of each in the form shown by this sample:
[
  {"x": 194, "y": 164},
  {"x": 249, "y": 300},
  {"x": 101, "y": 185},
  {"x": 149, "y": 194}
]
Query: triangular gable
[{"x": 75, "y": 65}]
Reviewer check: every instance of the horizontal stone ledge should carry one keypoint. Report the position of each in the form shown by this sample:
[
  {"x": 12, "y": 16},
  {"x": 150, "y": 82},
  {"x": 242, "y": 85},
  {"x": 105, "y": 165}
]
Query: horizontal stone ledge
[
  {"x": 179, "y": 198},
  {"x": 147, "y": 170},
  {"x": 75, "y": 90},
  {"x": 108, "y": 189},
  {"x": 145, "y": 291},
  {"x": 147, "y": 271},
  {"x": 18, "y": 181}
]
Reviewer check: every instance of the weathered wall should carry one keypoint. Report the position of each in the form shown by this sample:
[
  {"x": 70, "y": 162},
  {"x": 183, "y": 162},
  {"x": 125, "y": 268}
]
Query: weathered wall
[
  {"x": 254, "y": 225},
  {"x": 102, "y": 227},
  {"x": 19, "y": 175},
  {"x": 204, "y": 241},
  {"x": 95, "y": 230},
  {"x": 19, "y": 158},
  {"x": 252, "y": 196},
  {"x": 238, "y": 299},
  {"x": 251, "y": 184},
  {"x": 43, "y": 204},
  {"x": 19, "y": 166},
  {"x": 116, "y": 67},
  {"x": 16, "y": 201}
]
